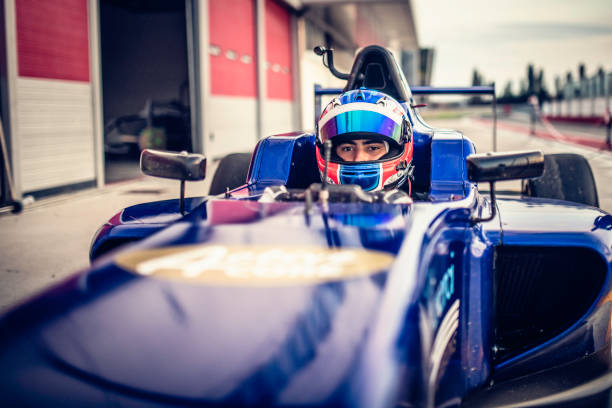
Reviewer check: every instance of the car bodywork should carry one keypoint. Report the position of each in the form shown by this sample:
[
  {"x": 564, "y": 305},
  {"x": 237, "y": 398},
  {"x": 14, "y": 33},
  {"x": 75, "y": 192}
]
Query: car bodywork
[{"x": 246, "y": 301}]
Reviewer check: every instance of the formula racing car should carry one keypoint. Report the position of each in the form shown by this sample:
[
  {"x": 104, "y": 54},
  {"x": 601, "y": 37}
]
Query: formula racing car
[{"x": 284, "y": 289}]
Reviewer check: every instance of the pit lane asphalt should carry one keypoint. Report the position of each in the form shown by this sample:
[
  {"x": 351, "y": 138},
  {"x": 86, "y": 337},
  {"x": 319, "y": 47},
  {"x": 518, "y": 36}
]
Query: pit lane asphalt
[{"x": 50, "y": 239}]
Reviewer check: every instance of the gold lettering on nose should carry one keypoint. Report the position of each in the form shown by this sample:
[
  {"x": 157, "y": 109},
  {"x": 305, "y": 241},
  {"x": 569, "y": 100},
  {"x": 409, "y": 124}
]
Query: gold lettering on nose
[{"x": 254, "y": 265}]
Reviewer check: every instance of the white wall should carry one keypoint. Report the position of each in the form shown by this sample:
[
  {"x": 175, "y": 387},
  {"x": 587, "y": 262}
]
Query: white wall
[
  {"x": 599, "y": 106},
  {"x": 232, "y": 125},
  {"x": 577, "y": 107},
  {"x": 278, "y": 117},
  {"x": 313, "y": 72},
  {"x": 55, "y": 132}
]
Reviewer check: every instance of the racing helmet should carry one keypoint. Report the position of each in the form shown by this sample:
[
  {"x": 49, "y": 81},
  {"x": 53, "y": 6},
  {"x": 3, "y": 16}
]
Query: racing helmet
[{"x": 365, "y": 114}]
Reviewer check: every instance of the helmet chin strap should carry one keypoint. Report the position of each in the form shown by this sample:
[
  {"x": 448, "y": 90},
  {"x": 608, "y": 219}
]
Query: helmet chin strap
[
  {"x": 327, "y": 146},
  {"x": 324, "y": 194}
]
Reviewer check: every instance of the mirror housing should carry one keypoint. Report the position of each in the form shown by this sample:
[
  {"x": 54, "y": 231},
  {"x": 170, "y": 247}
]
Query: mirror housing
[
  {"x": 492, "y": 167},
  {"x": 179, "y": 166}
]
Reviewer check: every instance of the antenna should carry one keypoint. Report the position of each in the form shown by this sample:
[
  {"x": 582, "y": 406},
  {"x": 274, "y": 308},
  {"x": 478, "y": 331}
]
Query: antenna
[
  {"x": 322, "y": 51},
  {"x": 327, "y": 156},
  {"x": 475, "y": 219}
]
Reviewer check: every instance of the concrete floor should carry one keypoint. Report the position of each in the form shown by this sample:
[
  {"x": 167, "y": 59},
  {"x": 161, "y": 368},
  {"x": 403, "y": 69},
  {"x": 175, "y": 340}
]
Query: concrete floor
[
  {"x": 50, "y": 239},
  {"x": 120, "y": 168}
]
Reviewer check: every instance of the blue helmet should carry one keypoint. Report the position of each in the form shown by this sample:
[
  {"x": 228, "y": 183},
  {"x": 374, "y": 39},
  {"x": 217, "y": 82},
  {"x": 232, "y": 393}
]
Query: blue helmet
[{"x": 370, "y": 116}]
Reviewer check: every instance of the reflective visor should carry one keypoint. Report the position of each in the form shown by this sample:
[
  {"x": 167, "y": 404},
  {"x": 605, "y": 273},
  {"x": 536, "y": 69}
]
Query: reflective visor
[
  {"x": 366, "y": 175},
  {"x": 360, "y": 121}
]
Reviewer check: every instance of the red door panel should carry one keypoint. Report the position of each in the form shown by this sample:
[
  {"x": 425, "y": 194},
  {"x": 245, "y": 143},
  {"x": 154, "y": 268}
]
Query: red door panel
[
  {"x": 232, "y": 45},
  {"x": 278, "y": 49},
  {"x": 53, "y": 39}
]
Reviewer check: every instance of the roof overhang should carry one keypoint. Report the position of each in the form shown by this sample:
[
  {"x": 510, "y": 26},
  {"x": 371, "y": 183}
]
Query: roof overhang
[{"x": 386, "y": 22}]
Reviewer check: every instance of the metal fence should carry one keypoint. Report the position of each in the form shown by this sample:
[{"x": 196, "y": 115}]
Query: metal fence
[{"x": 582, "y": 98}]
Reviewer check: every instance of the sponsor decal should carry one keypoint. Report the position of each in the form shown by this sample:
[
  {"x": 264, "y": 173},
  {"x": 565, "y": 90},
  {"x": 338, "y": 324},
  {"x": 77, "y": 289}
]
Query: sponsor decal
[
  {"x": 254, "y": 265},
  {"x": 444, "y": 346},
  {"x": 445, "y": 289},
  {"x": 444, "y": 309}
]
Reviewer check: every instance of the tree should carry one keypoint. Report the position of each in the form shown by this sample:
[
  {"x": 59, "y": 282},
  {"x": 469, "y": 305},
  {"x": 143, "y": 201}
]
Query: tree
[
  {"x": 530, "y": 80},
  {"x": 579, "y": 90},
  {"x": 507, "y": 95},
  {"x": 522, "y": 95},
  {"x": 477, "y": 80},
  {"x": 569, "y": 84},
  {"x": 540, "y": 88},
  {"x": 581, "y": 71},
  {"x": 558, "y": 88},
  {"x": 601, "y": 82},
  {"x": 508, "y": 90}
]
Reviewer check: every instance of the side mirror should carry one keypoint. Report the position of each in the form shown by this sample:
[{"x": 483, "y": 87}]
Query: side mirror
[
  {"x": 179, "y": 166},
  {"x": 505, "y": 166},
  {"x": 492, "y": 167}
]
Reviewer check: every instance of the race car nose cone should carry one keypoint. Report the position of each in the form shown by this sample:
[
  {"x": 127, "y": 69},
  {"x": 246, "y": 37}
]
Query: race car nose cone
[{"x": 230, "y": 344}]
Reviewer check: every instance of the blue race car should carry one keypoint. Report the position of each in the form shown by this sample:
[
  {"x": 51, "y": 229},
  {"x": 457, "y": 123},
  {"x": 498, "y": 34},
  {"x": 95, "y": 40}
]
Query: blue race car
[{"x": 286, "y": 291}]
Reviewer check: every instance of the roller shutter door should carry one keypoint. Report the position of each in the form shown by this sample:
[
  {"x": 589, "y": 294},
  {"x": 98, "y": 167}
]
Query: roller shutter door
[{"x": 54, "y": 103}]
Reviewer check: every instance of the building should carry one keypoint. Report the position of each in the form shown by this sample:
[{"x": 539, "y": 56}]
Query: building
[{"x": 234, "y": 70}]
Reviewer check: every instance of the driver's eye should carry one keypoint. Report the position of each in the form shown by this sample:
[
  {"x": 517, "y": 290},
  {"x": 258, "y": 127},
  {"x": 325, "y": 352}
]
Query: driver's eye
[{"x": 346, "y": 148}]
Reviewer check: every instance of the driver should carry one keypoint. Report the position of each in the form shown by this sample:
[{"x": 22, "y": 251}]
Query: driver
[{"x": 371, "y": 141}]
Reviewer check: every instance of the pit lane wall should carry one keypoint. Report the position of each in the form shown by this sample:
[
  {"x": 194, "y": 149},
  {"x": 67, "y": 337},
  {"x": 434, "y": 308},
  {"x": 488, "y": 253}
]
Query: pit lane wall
[
  {"x": 587, "y": 99},
  {"x": 594, "y": 107}
]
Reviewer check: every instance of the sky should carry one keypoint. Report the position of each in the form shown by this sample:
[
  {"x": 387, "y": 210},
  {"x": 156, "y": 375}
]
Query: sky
[{"x": 500, "y": 38}]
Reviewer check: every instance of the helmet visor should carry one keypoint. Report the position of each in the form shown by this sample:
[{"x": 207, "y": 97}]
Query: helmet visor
[
  {"x": 360, "y": 121},
  {"x": 365, "y": 175}
]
